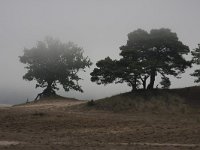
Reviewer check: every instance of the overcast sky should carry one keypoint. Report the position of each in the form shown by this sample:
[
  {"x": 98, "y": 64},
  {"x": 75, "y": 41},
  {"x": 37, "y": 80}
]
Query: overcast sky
[{"x": 100, "y": 27}]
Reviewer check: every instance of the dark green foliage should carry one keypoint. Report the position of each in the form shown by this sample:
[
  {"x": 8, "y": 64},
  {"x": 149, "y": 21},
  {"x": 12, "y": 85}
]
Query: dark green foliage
[
  {"x": 106, "y": 71},
  {"x": 196, "y": 55},
  {"x": 110, "y": 71},
  {"x": 159, "y": 51},
  {"x": 52, "y": 62},
  {"x": 144, "y": 56},
  {"x": 197, "y": 75},
  {"x": 91, "y": 103},
  {"x": 196, "y": 60},
  {"x": 165, "y": 82}
]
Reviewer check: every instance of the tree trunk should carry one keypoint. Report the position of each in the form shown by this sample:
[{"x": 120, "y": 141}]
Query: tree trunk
[
  {"x": 133, "y": 88},
  {"x": 48, "y": 91},
  {"x": 152, "y": 79},
  {"x": 134, "y": 85},
  {"x": 144, "y": 82},
  {"x": 38, "y": 96}
]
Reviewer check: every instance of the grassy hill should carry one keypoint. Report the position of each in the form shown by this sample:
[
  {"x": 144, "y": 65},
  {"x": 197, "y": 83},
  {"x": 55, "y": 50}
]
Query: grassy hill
[
  {"x": 190, "y": 94},
  {"x": 157, "y": 101}
]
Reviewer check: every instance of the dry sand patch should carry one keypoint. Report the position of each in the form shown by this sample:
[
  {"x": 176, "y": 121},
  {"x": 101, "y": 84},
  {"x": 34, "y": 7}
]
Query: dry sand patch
[{"x": 7, "y": 143}]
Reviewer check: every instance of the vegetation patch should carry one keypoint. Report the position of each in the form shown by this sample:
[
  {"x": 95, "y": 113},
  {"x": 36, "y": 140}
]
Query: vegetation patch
[
  {"x": 156, "y": 101},
  {"x": 91, "y": 103}
]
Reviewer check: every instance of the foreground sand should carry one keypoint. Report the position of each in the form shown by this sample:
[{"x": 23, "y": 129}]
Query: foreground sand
[{"x": 52, "y": 125}]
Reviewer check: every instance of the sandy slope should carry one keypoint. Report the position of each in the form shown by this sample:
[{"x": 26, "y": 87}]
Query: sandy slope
[
  {"x": 52, "y": 125},
  {"x": 5, "y": 105},
  {"x": 51, "y": 104}
]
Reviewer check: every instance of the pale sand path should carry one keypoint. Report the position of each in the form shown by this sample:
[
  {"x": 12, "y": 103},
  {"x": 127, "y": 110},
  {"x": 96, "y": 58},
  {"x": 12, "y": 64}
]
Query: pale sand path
[
  {"x": 7, "y": 143},
  {"x": 56, "y": 103},
  {"x": 159, "y": 144}
]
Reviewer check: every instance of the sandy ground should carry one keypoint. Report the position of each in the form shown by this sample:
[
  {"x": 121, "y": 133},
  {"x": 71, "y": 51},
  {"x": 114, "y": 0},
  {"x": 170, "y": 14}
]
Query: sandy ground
[{"x": 51, "y": 125}]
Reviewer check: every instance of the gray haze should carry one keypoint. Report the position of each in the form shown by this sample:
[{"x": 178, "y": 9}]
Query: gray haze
[{"x": 100, "y": 27}]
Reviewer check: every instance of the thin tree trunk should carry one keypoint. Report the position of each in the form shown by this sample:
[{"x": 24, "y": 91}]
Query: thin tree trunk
[
  {"x": 134, "y": 85},
  {"x": 152, "y": 79},
  {"x": 38, "y": 96},
  {"x": 144, "y": 82}
]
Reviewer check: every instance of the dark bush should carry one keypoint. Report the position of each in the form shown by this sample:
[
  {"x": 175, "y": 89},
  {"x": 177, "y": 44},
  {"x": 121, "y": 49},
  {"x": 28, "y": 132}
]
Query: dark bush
[{"x": 91, "y": 103}]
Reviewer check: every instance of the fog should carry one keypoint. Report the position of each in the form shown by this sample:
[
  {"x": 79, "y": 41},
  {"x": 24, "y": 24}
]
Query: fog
[{"x": 99, "y": 27}]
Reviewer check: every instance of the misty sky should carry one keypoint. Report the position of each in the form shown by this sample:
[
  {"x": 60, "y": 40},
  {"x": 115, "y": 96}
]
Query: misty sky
[{"x": 100, "y": 27}]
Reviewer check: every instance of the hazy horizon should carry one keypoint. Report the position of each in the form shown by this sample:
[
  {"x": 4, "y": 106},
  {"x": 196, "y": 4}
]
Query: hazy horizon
[{"x": 99, "y": 27}]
